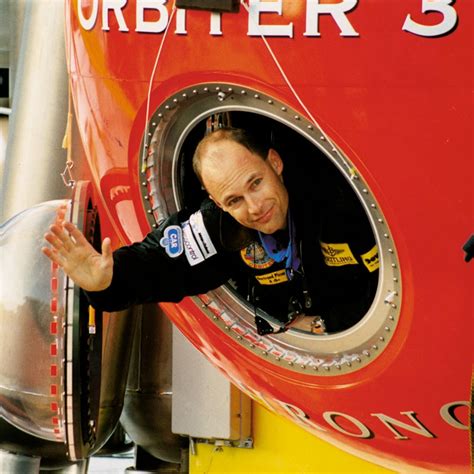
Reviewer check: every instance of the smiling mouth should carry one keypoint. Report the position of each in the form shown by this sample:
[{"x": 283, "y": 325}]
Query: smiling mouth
[{"x": 265, "y": 218}]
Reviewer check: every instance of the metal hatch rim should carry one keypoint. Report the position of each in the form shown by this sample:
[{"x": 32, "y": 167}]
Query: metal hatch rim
[{"x": 337, "y": 353}]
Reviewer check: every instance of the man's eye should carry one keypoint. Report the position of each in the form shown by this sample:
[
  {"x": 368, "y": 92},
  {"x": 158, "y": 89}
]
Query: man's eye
[
  {"x": 256, "y": 182},
  {"x": 234, "y": 201}
]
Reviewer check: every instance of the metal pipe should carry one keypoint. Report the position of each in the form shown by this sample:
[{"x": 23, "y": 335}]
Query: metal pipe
[
  {"x": 4, "y": 48},
  {"x": 34, "y": 154},
  {"x": 146, "y": 416},
  {"x": 3, "y": 140}
]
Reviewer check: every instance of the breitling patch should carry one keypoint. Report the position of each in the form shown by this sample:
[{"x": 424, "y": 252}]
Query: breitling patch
[
  {"x": 172, "y": 241},
  {"x": 371, "y": 259},
  {"x": 273, "y": 278},
  {"x": 337, "y": 255},
  {"x": 255, "y": 256},
  {"x": 197, "y": 242}
]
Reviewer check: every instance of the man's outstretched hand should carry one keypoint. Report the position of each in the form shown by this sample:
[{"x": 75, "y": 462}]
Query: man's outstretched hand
[{"x": 88, "y": 268}]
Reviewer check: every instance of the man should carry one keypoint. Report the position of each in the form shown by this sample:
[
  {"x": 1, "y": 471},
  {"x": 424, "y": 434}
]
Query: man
[{"x": 302, "y": 246}]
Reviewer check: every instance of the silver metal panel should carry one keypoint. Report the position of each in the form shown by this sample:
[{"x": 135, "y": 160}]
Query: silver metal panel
[
  {"x": 12, "y": 463},
  {"x": 205, "y": 404}
]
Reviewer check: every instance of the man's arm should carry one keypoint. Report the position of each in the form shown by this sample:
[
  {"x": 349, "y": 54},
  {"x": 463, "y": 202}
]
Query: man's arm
[{"x": 142, "y": 272}]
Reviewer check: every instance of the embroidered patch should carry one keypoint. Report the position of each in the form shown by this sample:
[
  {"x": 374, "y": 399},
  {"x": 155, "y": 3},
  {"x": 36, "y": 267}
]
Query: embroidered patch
[
  {"x": 371, "y": 259},
  {"x": 201, "y": 235},
  {"x": 172, "y": 241},
  {"x": 191, "y": 247},
  {"x": 197, "y": 243},
  {"x": 255, "y": 256},
  {"x": 337, "y": 255},
  {"x": 273, "y": 278}
]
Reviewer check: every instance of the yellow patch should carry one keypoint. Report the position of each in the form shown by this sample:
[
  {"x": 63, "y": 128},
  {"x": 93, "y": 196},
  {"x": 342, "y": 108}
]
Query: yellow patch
[
  {"x": 337, "y": 255},
  {"x": 272, "y": 278},
  {"x": 371, "y": 259}
]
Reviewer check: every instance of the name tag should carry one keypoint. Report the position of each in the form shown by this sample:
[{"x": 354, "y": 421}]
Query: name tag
[
  {"x": 273, "y": 278},
  {"x": 197, "y": 242}
]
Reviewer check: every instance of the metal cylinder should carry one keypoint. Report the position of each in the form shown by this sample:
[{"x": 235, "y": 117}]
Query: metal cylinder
[
  {"x": 3, "y": 139},
  {"x": 147, "y": 410},
  {"x": 34, "y": 154}
]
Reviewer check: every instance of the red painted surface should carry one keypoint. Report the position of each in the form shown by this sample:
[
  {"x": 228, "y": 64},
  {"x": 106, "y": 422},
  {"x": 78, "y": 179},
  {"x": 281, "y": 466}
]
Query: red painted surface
[{"x": 400, "y": 107}]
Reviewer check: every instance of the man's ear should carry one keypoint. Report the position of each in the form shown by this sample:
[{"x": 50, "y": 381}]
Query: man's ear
[{"x": 275, "y": 161}]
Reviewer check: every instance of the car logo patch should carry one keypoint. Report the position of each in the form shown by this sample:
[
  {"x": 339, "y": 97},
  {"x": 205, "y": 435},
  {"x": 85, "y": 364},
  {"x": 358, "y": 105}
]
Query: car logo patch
[
  {"x": 255, "y": 256},
  {"x": 172, "y": 241}
]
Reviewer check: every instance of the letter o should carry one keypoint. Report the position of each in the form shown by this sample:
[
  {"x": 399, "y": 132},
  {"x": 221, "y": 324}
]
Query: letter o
[
  {"x": 88, "y": 23},
  {"x": 330, "y": 416},
  {"x": 447, "y": 414}
]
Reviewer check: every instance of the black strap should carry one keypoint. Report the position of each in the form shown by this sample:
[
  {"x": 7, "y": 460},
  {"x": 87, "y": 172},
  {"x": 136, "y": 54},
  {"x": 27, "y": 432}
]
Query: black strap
[{"x": 263, "y": 321}]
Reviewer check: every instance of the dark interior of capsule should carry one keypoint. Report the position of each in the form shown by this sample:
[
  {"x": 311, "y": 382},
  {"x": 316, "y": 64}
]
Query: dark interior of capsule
[
  {"x": 303, "y": 162},
  {"x": 296, "y": 151}
]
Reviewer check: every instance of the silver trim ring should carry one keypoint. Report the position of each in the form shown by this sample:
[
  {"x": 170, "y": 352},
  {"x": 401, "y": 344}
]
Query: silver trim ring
[{"x": 328, "y": 355}]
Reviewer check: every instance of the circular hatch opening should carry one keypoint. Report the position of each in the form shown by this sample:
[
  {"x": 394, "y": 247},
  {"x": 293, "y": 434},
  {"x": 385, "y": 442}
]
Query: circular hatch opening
[{"x": 174, "y": 131}]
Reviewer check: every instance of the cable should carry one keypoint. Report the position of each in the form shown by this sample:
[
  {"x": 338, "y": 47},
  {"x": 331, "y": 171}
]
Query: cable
[
  {"x": 300, "y": 101},
  {"x": 153, "y": 72}
]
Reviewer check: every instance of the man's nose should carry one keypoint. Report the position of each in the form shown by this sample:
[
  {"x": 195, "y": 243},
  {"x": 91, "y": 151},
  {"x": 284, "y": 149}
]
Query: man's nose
[{"x": 254, "y": 204}]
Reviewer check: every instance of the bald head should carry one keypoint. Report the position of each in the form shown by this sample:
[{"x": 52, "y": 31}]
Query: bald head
[{"x": 209, "y": 147}]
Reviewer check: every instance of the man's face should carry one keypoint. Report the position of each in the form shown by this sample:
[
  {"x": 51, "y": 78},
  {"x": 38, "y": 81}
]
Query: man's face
[{"x": 249, "y": 188}]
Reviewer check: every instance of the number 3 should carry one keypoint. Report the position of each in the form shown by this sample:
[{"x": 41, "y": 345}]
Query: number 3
[{"x": 449, "y": 22}]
